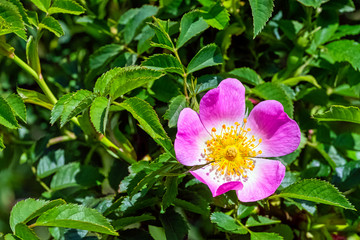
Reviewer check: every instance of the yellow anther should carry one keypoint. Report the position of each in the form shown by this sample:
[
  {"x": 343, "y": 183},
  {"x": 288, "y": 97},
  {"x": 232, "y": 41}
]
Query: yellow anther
[
  {"x": 223, "y": 126},
  {"x": 260, "y": 140},
  {"x": 245, "y": 120},
  {"x": 213, "y": 129}
]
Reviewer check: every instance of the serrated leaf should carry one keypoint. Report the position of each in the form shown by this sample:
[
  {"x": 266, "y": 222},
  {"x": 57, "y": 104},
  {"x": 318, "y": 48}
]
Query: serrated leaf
[
  {"x": 171, "y": 192},
  {"x": 11, "y": 20},
  {"x": 66, "y": 6},
  {"x": 24, "y": 232},
  {"x": 295, "y": 80},
  {"x": 174, "y": 225},
  {"x": 340, "y": 113},
  {"x": 28, "y": 209},
  {"x": 59, "y": 107},
  {"x": 191, "y": 207},
  {"x": 33, "y": 18},
  {"x": 98, "y": 113},
  {"x": 52, "y": 25},
  {"x": 162, "y": 37},
  {"x": 247, "y": 75},
  {"x": 75, "y": 175},
  {"x": 312, "y": 3},
  {"x": 21, "y": 10},
  {"x": 7, "y": 116},
  {"x": 158, "y": 233},
  {"x": 119, "y": 81},
  {"x": 191, "y": 25},
  {"x": 11, "y": 237},
  {"x": 76, "y": 216},
  {"x": 261, "y": 12},
  {"x": 137, "y": 20},
  {"x": 208, "y": 56},
  {"x": 344, "y": 51},
  {"x": 226, "y": 223},
  {"x": 50, "y": 163},
  {"x": 265, "y": 235},
  {"x": 149, "y": 121},
  {"x": 164, "y": 62},
  {"x": 34, "y": 97},
  {"x": 258, "y": 220},
  {"x": 316, "y": 191},
  {"x": 103, "y": 55},
  {"x": 274, "y": 91},
  {"x": 345, "y": 30},
  {"x": 78, "y": 102},
  {"x": 217, "y": 16},
  {"x": 17, "y": 105},
  {"x": 177, "y": 104},
  {"x": 43, "y": 5},
  {"x": 125, "y": 221}
]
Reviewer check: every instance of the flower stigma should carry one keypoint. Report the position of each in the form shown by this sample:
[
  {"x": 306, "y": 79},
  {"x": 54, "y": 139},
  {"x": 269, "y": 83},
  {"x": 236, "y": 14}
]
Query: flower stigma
[{"x": 230, "y": 151}]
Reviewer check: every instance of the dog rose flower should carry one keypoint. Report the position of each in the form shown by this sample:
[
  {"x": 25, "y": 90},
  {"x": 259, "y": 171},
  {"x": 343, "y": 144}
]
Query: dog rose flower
[{"x": 233, "y": 147}]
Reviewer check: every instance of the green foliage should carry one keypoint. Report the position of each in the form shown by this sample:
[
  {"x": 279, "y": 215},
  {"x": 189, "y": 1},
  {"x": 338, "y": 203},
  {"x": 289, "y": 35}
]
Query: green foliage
[
  {"x": 344, "y": 50},
  {"x": 24, "y": 232},
  {"x": 43, "y": 5},
  {"x": 317, "y": 191},
  {"x": 340, "y": 113},
  {"x": 247, "y": 75},
  {"x": 98, "y": 113},
  {"x": 217, "y": 16},
  {"x": 261, "y": 11},
  {"x": 208, "y": 56},
  {"x": 17, "y": 105},
  {"x": 174, "y": 225},
  {"x": 7, "y": 116},
  {"x": 177, "y": 104},
  {"x": 264, "y": 235},
  {"x": 227, "y": 223},
  {"x": 164, "y": 62},
  {"x": 52, "y": 25},
  {"x": 11, "y": 20},
  {"x": 66, "y": 6}
]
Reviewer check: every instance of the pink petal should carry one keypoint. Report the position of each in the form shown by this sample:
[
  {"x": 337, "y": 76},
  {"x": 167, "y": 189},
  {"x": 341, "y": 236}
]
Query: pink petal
[
  {"x": 262, "y": 181},
  {"x": 280, "y": 134},
  {"x": 190, "y": 139},
  {"x": 217, "y": 182},
  {"x": 223, "y": 105}
]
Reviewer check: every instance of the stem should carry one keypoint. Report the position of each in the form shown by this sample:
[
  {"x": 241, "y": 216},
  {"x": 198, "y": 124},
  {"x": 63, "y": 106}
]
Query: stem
[
  {"x": 39, "y": 79},
  {"x": 184, "y": 74},
  {"x": 33, "y": 169}
]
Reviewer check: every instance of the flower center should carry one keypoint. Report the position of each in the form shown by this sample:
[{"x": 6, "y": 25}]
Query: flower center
[{"x": 230, "y": 152}]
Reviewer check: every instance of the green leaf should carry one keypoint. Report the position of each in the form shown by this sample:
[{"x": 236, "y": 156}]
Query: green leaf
[
  {"x": 244, "y": 210},
  {"x": 340, "y": 113},
  {"x": 274, "y": 91},
  {"x": 191, "y": 207},
  {"x": 295, "y": 80},
  {"x": 119, "y": 81},
  {"x": 191, "y": 25},
  {"x": 164, "y": 62},
  {"x": 344, "y": 51},
  {"x": 52, "y": 25},
  {"x": 34, "y": 97},
  {"x": 177, "y": 104},
  {"x": 217, "y": 16},
  {"x": 21, "y": 10},
  {"x": 158, "y": 233},
  {"x": 226, "y": 223},
  {"x": 11, "y": 237},
  {"x": 149, "y": 121},
  {"x": 247, "y": 75},
  {"x": 317, "y": 191},
  {"x": 66, "y": 6},
  {"x": 174, "y": 225},
  {"x": 32, "y": 55},
  {"x": 50, "y": 163},
  {"x": 71, "y": 105},
  {"x": 208, "y": 56},
  {"x": 28, "y": 209},
  {"x": 76, "y": 216},
  {"x": 11, "y": 20},
  {"x": 17, "y": 105},
  {"x": 265, "y": 235},
  {"x": 258, "y": 220},
  {"x": 99, "y": 113},
  {"x": 162, "y": 36},
  {"x": 33, "y": 18},
  {"x": 2, "y": 146},
  {"x": 345, "y": 30},
  {"x": 171, "y": 192},
  {"x": 24, "y": 232},
  {"x": 312, "y": 3},
  {"x": 43, "y": 5},
  {"x": 75, "y": 175},
  {"x": 261, "y": 11},
  {"x": 103, "y": 55},
  {"x": 7, "y": 116},
  {"x": 137, "y": 20},
  {"x": 126, "y": 221}
]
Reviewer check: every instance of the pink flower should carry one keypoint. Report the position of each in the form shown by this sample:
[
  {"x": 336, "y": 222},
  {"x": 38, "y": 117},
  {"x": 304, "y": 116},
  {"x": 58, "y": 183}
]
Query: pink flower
[{"x": 233, "y": 147}]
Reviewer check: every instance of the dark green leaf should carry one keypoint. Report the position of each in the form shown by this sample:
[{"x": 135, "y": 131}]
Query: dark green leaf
[
  {"x": 52, "y": 25},
  {"x": 344, "y": 51},
  {"x": 226, "y": 223},
  {"x": 191, "y": 25},
  {"x": 123, "y": 222},
  {"x": 76, "y": 216},
  {"x": 104, "y": 55},
  {"x": 261, "y": 12},
  {"x": 158, "y": 233},
  {"x": 59, "y": 107},
  {"x": 98, "y": 113},
  {"x": 11, "y": 20},
  {"x": 164, "y": 62},
  {"x": 247, "y": 75},
  {"x": 28, "y": 209},
  {"x": 340, "y": 113},
  {"x": 50, "y": 163},
  {"x": 66, "y": 6},
  {"x": 17, "y": 105},
  {"x": 258, "y": 220},
  {"x": 317, "y": 191},
  {"x": 162, "y": 36},
  {"x": 312, "y": 3},
  {"x": 217, "y": 16},
  {"x": 191, "y": 207},
  {"x": 24, "y": 232},
  {"x": 208, "y": 56},
  {"x": 7, "y": 116},
  {"x": 34, "y": 97},
  {"x": 171, "y": 192},
  {"x": 264, "y": 235},
  {"x": 177, "y": 104},
  {"x": 174, "y": 225}
]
